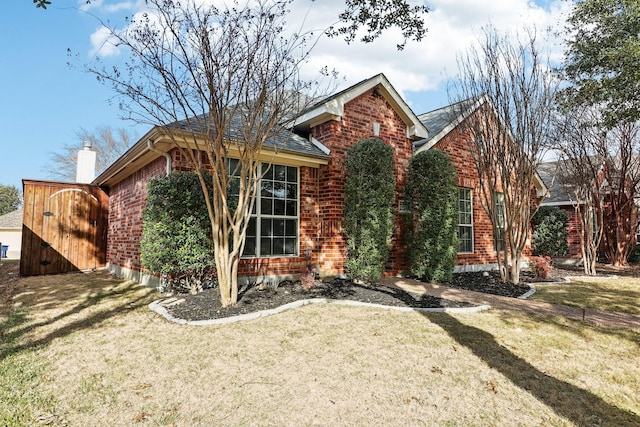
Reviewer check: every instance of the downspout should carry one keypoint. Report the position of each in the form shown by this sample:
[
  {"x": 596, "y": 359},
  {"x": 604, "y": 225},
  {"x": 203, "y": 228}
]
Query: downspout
[{"x": 164, "y": 153}]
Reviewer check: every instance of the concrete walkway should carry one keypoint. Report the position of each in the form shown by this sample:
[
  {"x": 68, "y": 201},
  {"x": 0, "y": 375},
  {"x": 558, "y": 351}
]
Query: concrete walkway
[{"x": 597, "y": 317}]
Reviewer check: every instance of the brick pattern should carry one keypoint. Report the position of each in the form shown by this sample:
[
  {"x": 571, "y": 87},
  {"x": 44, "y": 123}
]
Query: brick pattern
[
  {"x": 126, "y": 202},
  {"x": 339, "y": 136},
  {"x": 455, "y": 144},
  {"x": 322, "y": 235},
  {"x": 128, "y": 198}
]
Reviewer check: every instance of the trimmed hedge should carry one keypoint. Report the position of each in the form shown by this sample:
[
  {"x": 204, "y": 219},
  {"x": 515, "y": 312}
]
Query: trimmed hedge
[
  {"x": 175, "y": 238},
  {"x": 368, "y": 208},
  {"x": 431, "y": 194},
  {"x": 550, "y": 231}
]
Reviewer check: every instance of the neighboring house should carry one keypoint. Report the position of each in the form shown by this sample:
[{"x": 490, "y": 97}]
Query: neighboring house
[
  {"x": 559, "y": 196},
  {"x": 307, "y": 219},
  {"x": 11, "y": 233}
]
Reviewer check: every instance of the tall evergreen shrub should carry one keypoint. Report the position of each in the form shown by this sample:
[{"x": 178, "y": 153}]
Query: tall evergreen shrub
[
  {"x": 368, "y": 208},
  {"x": 175, "y": 237},
  {"x": 550, "y": 231},
  {"x": 431, "y": 194}
]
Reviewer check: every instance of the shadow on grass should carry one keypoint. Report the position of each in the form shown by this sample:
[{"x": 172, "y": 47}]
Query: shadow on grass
[
  {"x": 585, "y": 294},
  {"x": 17, "y": 324},
  {"x": 580, "y": 406}
]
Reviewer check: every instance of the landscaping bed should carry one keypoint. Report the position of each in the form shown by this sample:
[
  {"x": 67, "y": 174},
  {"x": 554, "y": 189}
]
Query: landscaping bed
[{"x": 206, "y": 304}]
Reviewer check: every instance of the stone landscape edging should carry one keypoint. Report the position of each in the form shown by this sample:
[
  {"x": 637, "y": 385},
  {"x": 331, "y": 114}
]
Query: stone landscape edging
[{"x": 157, "y": 307}]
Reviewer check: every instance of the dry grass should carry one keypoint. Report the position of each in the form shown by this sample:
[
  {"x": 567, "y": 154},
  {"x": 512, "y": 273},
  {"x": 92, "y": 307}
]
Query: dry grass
[
  {"x": 104, "y": 359},
  {"x": 621, "y": 294}
]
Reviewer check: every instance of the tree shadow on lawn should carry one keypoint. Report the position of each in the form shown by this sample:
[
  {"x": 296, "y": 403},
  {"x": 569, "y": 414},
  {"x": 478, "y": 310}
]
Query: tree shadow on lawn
[
  {"x": 591, "y": 295},
  {"x": 122, "y": 297},
  {"x": 574, "y": 326},
  {"x": 578, "y": 405}
]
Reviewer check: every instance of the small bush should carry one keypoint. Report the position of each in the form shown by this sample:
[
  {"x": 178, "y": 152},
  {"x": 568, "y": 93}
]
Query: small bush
[
  {"x": 432, "y": 196},
  {"x": 540, "y": 266},
  {"x": 550, "y": 231},
  {"x": 175, "y": 238},
  {"x": 368, "y": 208}
]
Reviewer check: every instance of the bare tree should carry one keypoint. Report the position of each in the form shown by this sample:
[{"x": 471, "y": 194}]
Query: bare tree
[
  {"x": 603, "y": 172},
  {"x": 579, "y": 171},
  {"x": 513, "y": 91},
  {"x": 620, "y": 151},
  {"x": 218, "y": 82},
  {"x": 109, "y": 145}
]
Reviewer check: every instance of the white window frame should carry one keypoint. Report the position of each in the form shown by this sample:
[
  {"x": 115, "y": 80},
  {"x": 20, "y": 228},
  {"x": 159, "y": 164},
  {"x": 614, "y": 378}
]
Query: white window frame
[
  {"x": 258, "y": 216},
  {"x": 467, "y": 225}
]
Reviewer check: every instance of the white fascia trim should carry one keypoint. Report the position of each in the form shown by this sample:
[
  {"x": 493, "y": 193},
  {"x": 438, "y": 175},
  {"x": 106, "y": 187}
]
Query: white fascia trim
[
  {"x": 320, "y": 146},
  {"x": 334, "y": 109},
  {"x": 451, "y": 126}
]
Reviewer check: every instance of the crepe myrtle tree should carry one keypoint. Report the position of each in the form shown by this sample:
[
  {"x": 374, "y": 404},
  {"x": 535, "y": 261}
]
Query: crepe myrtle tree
[
  {"x": 506, "y": 92},
  {"x": 218, "y": 81},
  {"x": 579, "y": 172}
]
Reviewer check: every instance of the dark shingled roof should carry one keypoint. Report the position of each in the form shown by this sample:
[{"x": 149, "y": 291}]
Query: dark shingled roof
[
  {"x": 11, "y": 219},
  {"x": 283, "y": 140},
  {"x": 435, "y": 121},
  {"x": 550, "y": 172}
]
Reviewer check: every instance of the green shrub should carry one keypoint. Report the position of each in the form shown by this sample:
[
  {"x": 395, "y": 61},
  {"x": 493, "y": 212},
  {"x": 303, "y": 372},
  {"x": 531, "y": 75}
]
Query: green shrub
[
  {"x": 431, "y": 194},
  {"x": 550, "y": 231},
  {"x": 634, "y": 256},
  {"x": 175, "y": 238},
  {"x": 368, "y": 208}
]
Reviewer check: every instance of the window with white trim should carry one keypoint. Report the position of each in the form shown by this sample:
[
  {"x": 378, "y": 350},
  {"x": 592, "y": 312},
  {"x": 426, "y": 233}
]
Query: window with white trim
[
  {"x": 273, "y": 227},
  {"x": 465, "y": 220}
]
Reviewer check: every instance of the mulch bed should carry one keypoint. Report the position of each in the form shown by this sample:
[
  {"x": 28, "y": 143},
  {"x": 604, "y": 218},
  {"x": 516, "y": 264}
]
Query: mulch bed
[{"x": 206, "y": 304}]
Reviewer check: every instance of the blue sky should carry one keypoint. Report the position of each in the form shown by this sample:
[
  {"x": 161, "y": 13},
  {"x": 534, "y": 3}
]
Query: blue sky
[{"x": 44, "y": 102}]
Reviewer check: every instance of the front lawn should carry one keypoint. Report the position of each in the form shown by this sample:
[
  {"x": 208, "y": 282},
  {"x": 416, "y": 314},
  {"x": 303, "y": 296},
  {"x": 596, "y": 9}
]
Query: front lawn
[
  {"x": 621, "y": 294},
  {"x": 89, "y": 352}
]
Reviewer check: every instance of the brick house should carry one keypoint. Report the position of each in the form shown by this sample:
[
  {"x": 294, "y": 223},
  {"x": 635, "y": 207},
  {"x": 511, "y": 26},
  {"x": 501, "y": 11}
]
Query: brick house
[
  {"x": 299, "y": 211},
  {"x": 560, "y": 194}
]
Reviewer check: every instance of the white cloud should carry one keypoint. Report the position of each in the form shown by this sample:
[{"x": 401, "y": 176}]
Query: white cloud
[
  {"x": 85, "y": 5},
  {"x": 103, "y": 43},
  {"x": 117, "y": 7},
  {"x": 453, "y": 25}
]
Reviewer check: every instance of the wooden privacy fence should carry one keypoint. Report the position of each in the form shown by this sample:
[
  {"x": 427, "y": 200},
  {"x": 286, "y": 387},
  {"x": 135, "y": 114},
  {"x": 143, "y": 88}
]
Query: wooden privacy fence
[{"x": 64, "y": 227}]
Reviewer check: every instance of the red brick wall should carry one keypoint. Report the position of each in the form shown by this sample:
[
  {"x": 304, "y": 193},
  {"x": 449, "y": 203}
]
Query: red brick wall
[
  {"x": 128, "y": 198},
  {"x": 456, "y": 144},
  {"x": 126, "y": 201},
  {"x": 339, "y": 136}
]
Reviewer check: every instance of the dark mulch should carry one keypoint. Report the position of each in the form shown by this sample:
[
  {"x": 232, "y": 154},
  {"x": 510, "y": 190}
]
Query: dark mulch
[
  {"x": 489, "y": 283},
  {"x": 206, "y": 304}
]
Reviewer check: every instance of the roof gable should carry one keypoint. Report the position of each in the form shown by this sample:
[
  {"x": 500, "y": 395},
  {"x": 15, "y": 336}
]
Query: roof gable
[
  {"x": 443, "y": 120},
  {"x": 332, "y": 107}
]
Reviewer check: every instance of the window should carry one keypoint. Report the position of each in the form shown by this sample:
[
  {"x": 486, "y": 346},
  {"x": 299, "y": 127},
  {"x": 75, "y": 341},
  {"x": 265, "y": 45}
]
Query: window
[
  {"x": 465, "y": 221},
  {"x": 500, "y": 226},
  {"x": 273, "y": 228}
]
